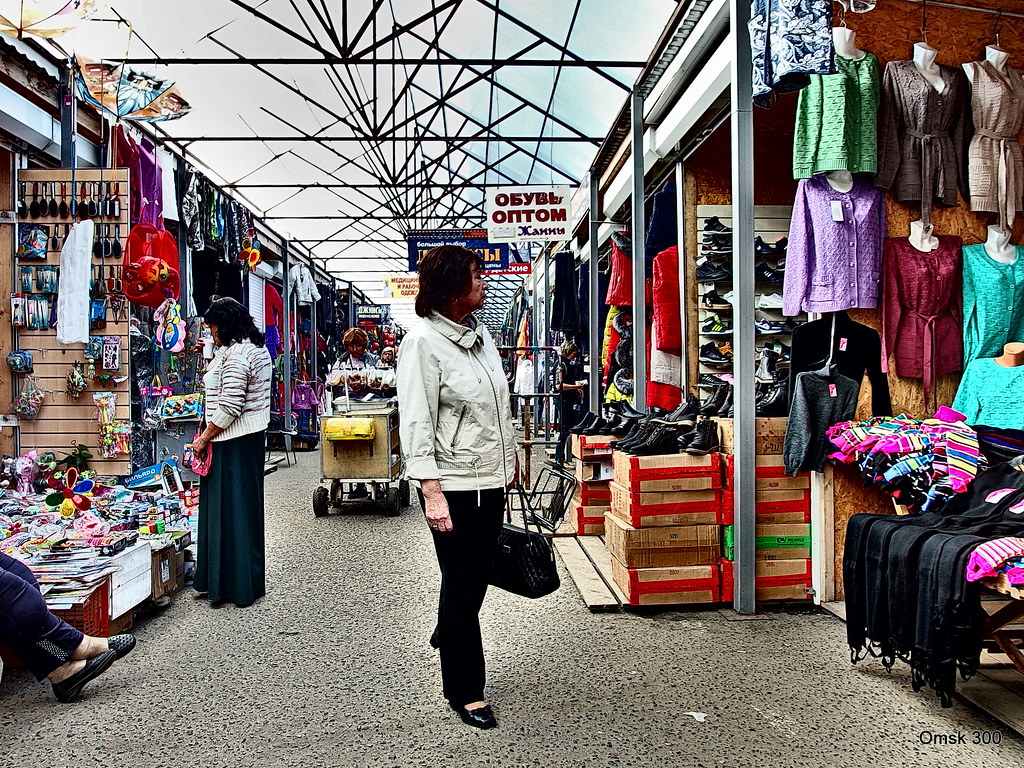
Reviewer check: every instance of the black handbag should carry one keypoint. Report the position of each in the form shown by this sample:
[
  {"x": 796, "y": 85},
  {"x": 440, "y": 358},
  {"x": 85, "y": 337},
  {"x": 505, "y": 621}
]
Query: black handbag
[{"x": 524, "y": 563}]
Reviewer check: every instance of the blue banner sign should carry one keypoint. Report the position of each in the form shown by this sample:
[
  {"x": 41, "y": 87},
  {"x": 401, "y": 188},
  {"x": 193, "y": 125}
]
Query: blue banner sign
[{"x": 496, "y": 256}]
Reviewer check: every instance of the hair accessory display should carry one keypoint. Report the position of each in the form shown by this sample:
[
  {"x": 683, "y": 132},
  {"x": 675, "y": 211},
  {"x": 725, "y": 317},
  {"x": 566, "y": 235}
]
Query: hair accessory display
[
  {"x": 19, "y": 361},
  {"x": 30, "y": 401},
  {"x": 33, "y": 240},
  {"x": 76, "y": 382}
]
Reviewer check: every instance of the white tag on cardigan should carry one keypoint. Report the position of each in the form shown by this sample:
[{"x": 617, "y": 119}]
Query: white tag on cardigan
[
  {"x": 842, "y": 344},
  {"x": 837, "y": 210}
]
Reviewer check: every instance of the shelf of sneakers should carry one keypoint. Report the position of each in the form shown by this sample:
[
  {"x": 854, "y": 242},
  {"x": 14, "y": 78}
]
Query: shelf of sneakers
[{"x": 712, "y": 272}]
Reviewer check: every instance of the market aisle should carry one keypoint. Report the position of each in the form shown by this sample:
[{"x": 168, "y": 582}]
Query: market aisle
[{"x": 333, "y": 668}]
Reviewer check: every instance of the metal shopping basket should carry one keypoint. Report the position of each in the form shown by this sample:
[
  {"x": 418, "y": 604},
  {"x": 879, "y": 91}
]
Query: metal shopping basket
[{"x": 548, "y": 498}]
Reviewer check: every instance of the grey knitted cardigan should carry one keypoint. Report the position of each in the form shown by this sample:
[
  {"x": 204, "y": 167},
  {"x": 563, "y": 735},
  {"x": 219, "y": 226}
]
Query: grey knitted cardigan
[{"x": 819, "y": 401}]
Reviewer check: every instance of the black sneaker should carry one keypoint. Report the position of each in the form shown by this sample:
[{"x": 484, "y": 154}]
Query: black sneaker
[
  {"x": 710, "y": 380},
  {"x": 711, "y": 300},
  {"x": 709, "y": 272},
  {"x": 785, "y": 354},
  {"x": 789, "y": 326},
  {"x": 712, "y": 224},
  {"x": 765, "y": 274},
  {"x": 715, "y": 327},
  {"x": 721, "y": 248},
  {"x": 778, "y": 249},
  {"x": 711, "y": 238},
  {"x": 713, "y": 354}
]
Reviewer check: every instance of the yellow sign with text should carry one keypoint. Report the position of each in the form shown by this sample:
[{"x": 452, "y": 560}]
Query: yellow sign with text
[{"x": 403, "y": 286}]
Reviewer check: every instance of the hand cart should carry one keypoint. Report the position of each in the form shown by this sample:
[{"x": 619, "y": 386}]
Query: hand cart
[{"x": 360, "y": 446}]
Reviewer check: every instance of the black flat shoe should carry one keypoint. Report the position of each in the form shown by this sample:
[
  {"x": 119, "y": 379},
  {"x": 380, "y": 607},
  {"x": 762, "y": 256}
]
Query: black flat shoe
[
  {"x": 67, "y": 690},
  {"x": 481, "y": 717},
  {"x": 122, "y": 645},
  {"x": 434, "y": 642}
]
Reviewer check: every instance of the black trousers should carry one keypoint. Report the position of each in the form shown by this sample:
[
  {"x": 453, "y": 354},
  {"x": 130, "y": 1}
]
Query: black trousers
[{"x": 465, "y": 555}]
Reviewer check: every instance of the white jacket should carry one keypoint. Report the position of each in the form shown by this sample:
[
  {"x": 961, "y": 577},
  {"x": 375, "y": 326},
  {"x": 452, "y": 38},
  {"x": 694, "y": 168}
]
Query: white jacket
[
  {"x": 302, "y": 285},
  {"x": 454, "y": 412}
]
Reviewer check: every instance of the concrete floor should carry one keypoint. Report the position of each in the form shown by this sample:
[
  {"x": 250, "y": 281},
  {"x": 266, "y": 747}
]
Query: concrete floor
[{"x": 332, "y": 668}]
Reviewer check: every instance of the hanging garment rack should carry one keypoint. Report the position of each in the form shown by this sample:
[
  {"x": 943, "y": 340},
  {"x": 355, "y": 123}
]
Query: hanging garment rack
[{"x": 959, "y": 7}]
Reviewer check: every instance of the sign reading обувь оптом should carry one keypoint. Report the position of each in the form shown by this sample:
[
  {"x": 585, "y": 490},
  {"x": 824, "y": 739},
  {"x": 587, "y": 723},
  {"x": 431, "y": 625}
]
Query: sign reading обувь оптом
[{"x": 534, "y": 212}]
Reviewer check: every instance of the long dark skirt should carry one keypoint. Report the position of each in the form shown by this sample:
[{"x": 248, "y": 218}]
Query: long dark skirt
[{"x": 230, "y": 561}]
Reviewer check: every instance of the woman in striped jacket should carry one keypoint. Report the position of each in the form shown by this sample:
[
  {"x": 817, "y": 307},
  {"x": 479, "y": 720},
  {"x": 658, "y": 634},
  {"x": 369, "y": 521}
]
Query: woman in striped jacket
[{"x": 230, "y": 561}]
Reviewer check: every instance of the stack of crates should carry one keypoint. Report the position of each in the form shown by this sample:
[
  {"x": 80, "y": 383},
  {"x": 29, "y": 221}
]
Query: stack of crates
[
  {"x": 782, "y": 511},
  {"x": 663, "y": 528},
  {"x": 592, "y": 461}
]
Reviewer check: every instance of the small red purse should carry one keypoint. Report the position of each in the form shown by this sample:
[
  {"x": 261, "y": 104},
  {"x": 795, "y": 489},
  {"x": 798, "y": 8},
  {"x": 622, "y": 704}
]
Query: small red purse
[{"x": 201, "y": 461}]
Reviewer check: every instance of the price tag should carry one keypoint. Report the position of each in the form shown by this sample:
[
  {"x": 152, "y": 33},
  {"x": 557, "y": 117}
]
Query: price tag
[
  {"x": 837, "y": 210},
  {"x": 842, "y": 344},
  {"x": 832, "y": 392}
]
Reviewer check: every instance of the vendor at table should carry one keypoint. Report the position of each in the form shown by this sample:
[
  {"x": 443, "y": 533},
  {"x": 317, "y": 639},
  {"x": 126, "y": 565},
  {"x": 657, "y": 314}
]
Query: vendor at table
[{"x": 355, "y": 358}]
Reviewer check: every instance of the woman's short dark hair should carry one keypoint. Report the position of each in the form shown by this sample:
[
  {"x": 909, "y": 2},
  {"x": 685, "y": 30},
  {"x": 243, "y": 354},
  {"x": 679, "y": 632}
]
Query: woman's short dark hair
[
  {"x": 445, "y": 275},
  {"x": 355, "y": 336},
  {"x": 233, "y": 321}
]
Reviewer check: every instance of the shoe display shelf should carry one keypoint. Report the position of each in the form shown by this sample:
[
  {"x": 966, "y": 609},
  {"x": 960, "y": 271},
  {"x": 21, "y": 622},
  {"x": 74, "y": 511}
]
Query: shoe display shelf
[{"x": 772, "y": 225}]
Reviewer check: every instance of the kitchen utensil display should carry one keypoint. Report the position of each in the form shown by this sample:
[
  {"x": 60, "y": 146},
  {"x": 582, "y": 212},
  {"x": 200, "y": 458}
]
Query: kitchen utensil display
[
  {"x": 63, "y": 210},
  {"x": 33, "y": 209},
  {"x": 22, "y": 203},
  {"x": 53, "y": 208}
]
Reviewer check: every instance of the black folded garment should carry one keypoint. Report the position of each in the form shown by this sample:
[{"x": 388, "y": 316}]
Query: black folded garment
[{"x": 998, "y": 445}]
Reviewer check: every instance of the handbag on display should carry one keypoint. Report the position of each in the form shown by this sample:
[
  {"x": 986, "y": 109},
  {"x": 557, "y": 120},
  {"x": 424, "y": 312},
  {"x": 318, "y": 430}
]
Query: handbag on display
[{"x": 525, "y": 561}]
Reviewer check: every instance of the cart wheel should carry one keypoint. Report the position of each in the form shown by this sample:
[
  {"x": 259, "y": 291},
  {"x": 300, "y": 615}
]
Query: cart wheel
[
  {"x": 392, "y": 503},
  {"x": 321, "y": 501},
  {"x": 404, "y": 492}
]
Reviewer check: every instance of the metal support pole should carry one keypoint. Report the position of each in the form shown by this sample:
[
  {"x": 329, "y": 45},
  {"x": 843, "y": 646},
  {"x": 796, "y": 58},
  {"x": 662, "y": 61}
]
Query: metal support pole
[
  {"x": 742, "y": 127},
  {"x": 595, "y": 301},
  {"x": 535, "y": 336},
  {"x": 545, "y": 406},
  {"x": 313, "y": 346},
  {"x": 680, "y": 178},
  {"x": 68, "y": 120},
  {"x": 286, "y": 364},
  {"x": 639, "y": 272}
]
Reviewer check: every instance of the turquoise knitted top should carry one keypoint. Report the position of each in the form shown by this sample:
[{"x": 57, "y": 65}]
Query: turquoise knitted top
[
  {"x": 991, "y": 394},
  {"x": 993, "y": 302}
]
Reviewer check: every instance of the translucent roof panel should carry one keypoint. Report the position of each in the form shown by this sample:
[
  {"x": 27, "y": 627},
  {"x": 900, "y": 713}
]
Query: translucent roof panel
[{"x": 343, "y": 121}]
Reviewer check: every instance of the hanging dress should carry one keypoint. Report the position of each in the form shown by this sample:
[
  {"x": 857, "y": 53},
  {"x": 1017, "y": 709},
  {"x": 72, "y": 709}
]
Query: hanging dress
[{"x": 995, "y": 167}]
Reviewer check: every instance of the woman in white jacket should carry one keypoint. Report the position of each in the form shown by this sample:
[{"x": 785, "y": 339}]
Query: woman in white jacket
[{"x": 456, "y": 435}]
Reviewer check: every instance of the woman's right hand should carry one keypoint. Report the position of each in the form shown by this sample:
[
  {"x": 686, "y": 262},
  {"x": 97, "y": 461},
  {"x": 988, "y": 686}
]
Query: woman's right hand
[{"x": 437, "y": 514}]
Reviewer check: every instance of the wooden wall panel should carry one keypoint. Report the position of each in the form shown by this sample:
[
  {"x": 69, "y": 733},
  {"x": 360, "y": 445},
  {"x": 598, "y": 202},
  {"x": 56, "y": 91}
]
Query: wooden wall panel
[
  {"x": 62, "y": 422},
  {"x": 8, "y": 237}
]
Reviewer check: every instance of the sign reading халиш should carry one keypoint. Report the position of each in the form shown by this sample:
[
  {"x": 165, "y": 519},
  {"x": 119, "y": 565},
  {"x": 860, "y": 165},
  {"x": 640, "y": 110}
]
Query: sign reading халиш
[
  {"x": 536, "y": 212},
  {"x": 495, "y": 255}
]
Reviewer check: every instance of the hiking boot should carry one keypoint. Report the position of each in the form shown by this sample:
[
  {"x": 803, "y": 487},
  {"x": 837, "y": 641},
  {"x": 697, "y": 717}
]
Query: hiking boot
[
  {"x": 706, "y": 439},
  {"x": 715, "y": 400}
]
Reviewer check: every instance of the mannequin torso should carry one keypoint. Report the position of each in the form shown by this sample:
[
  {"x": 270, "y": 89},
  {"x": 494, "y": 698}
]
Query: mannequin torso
[
  {"x": 845, "y": 41},
  {"x": 995, "y": 56},
  {"x": 1013, "y": 355},
  {"x": 998, "y": 246},
  {"x": 840, "y": 181},
  {"x": 923, "y": 237},
  {"x": 924, "y": 61}
]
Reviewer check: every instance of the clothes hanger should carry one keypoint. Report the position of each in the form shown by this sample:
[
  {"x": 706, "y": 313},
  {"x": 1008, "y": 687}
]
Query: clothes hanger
[{"x": 828, "y": 369}]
